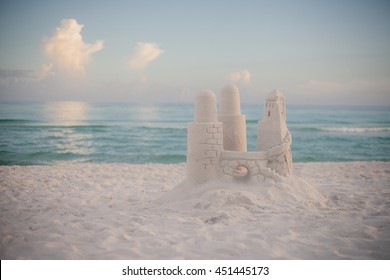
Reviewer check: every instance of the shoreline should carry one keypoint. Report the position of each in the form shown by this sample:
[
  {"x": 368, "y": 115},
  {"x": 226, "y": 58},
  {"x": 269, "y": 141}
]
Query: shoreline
[
  {"x": 140, "y": 211},
  {"x": 70, "y": 162}
]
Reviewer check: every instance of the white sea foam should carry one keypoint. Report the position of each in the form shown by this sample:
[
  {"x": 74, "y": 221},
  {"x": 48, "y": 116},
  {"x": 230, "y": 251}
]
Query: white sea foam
[
  {"x": 356, "y": 129},
  {"x": 122, "y": 211}
]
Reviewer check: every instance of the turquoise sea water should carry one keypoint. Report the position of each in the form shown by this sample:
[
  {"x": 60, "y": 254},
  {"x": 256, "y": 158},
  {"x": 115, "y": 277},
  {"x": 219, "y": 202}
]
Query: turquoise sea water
[{"x": 49, "y": 133}]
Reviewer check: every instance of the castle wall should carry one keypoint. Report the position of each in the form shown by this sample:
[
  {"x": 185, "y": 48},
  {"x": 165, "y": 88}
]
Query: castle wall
[
  {"x": 204, "y": 145},
  {"x": 281, "y": 163},
  {"x": 250, "y": 166}
]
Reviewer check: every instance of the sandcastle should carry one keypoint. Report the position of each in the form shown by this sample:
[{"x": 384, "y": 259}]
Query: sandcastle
[{"x": 217, "y": 147}]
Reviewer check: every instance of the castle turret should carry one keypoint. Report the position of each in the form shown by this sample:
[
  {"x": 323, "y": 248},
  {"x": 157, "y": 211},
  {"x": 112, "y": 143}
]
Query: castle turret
[
  {"x": 234, "y": 126},
  {"x": 204, "y": 140},
  {"x": 272, "y": 129}
]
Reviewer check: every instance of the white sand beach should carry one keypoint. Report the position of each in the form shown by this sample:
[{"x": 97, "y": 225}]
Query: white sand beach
[{"x": 123, "y": 211}]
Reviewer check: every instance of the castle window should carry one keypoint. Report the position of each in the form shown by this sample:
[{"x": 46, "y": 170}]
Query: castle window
[{"x": 269, "y": 113}]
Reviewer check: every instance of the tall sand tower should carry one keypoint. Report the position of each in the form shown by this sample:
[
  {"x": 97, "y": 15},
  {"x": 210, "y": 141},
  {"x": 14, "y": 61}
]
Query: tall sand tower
[
  {"x": 272, "y": 129},
  {"x": 204, "y": 140},
  {"x": 234, "y": 126}
]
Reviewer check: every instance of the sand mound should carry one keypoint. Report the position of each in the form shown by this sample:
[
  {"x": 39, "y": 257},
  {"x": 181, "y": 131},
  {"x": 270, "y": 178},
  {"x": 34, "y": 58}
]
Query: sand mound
[{"x": 292, "y": 192}]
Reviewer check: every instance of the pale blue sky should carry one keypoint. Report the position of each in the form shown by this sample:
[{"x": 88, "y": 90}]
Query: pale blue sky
[{"x": 323, "y": 52}]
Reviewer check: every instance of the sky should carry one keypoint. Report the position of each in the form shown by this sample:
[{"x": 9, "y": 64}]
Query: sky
[{"x": 315, "y": 52}]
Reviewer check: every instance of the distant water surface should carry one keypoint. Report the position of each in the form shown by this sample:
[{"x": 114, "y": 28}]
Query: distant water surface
[{"x": 49, "y": 133}]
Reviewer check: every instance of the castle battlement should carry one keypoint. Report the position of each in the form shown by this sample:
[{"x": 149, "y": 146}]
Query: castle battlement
[{"x": 216, "y": 143}]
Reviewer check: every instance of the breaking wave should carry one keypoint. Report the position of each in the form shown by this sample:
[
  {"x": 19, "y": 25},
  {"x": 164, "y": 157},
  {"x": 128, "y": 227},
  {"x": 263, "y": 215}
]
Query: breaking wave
[{"x": 356, "y": 129}]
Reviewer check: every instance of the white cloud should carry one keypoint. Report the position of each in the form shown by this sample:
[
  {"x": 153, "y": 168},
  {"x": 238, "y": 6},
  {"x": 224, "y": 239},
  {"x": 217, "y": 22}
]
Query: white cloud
[
  {"x": 46, "y": 71},
  {"x": 234, "y": 77},
  {"x": 243, "y": 76},
  {"x": 144, "y": 54},
  {"x": 67, "y": 50}
]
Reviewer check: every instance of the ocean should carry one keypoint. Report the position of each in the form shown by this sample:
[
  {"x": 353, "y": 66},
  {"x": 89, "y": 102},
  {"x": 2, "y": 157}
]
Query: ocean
[{"x": 57, "y": 132}]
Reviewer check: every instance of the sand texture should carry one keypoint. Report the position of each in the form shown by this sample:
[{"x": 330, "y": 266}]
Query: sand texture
[{"x": 123, "y": 211}]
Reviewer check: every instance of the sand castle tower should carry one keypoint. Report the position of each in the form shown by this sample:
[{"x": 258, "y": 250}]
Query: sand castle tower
[
  {"x": 272, "y": 129},
  {"x": 234, "y": 126},
  {"x": 204, "y": 140},
  {"x": 273, "y": 135}
]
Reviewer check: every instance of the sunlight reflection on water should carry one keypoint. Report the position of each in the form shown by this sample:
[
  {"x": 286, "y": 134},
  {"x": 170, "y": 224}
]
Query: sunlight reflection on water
[
  {"x": 66, "y": 139},
  {"x": 68, "y": 113}
]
